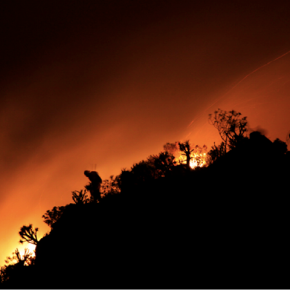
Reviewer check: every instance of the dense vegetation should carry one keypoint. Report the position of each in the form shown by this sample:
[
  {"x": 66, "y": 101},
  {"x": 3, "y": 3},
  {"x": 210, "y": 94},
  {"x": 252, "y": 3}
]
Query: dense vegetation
[{"x": 165, "y": 225}]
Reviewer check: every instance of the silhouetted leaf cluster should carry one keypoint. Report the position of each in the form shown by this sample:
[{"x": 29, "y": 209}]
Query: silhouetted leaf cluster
[
  {"x": 52, "y": 216},
  {"x": 110, "y": 186}
]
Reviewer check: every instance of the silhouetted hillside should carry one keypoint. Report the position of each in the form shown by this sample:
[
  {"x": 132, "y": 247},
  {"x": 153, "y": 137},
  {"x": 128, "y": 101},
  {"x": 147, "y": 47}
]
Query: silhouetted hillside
[{"x": 221, "y": 226}]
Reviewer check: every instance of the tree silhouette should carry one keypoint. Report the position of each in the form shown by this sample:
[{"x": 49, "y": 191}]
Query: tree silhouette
[
  {"x": 52, "y": 216},
  {"x": 196, "y": 153},
  {"x": 143, "y": 171},
  {"x": 154, "y": 167},
  {"x": 230, "y": 125},
  {"x": 185, "y": 148},
  {"x": 28, "y": 235},
  {"x": 162, "y": 163},
  {"x": 144, "y": 176}
]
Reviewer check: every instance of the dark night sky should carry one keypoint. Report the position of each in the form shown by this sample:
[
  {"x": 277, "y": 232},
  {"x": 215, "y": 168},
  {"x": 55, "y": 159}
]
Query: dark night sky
[{"x": 110, "y": 82}]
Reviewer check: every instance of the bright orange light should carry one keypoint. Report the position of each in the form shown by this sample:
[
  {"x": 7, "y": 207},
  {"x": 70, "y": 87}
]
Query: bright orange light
[
  {"x": 30, "y": 247},
  {"x": 198, "y": 157}
]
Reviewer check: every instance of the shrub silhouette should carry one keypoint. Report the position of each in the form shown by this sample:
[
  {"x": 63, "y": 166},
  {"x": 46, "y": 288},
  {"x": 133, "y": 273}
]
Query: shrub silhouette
[
  {"x": 18, "y": 271},
  {"x": 52, "y": 216},
  {"x": 80, "y": 197},
  {"x": 216, "y": 152}
]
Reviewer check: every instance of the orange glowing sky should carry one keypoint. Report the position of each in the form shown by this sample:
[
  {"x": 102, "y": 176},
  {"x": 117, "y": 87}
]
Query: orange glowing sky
[{"x": 110, "y": 82}]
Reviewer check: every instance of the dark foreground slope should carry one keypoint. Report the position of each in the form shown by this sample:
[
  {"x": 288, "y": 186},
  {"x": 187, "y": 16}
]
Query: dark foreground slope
[
  {"x": 165, "y": 249},
  {"x": 225, "y": 226}
]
